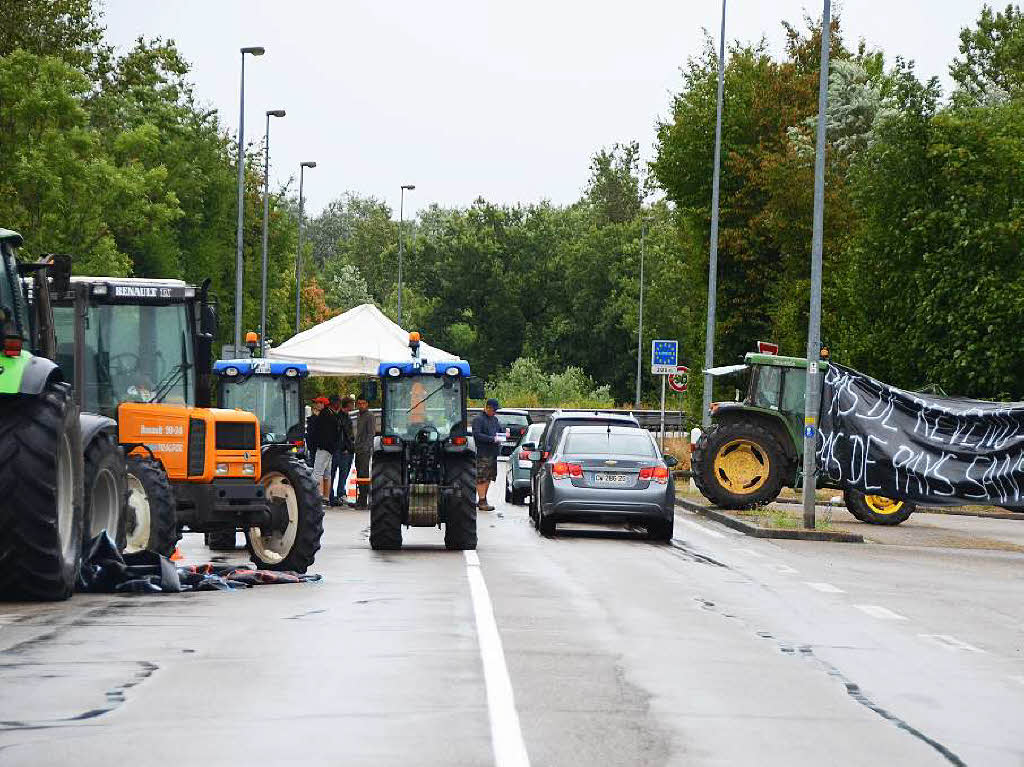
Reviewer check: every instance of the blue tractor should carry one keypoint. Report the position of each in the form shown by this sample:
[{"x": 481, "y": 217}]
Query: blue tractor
[
  {"x": 273, "y": 392},
  {"x": 424, "y": 460}
]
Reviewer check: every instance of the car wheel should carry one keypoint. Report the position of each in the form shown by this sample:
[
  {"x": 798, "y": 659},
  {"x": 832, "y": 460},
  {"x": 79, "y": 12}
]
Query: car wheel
[{"x": 545, "y": 526}]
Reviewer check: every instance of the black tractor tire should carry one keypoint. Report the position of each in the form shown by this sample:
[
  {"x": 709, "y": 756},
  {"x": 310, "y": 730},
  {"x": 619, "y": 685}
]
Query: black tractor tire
[
  {"x": 661, "y": 530},
  {"x": 152, "y": 511},
  {"x": 385, "y": 509},
  {"x": 41, "y": 495},
  {"x": 220, "y": 540},
  {"x": 460, "y": 525},
  {"x": 295, "y": 548},
  {"x": 106, "y": 490},
  {"x": 868, "y": 510},
  {"x": 760, "y": 471}
]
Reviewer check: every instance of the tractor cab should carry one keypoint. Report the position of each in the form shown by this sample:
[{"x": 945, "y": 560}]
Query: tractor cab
[{"x": 272, "y": 390}]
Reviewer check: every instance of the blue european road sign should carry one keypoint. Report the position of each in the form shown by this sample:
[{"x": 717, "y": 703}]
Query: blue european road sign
[{"x": 664, "y": 357}]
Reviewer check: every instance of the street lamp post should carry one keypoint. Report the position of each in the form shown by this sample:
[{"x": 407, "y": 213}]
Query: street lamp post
[
  {"x": 239, "y": 266},
  {"x": 266, "y": 228},
  {"x": 709, "y": 344},
  {"x": 640, "y": 324},
  {"x": 812, "y": 397},
  {"x": 298, "y": 252},
  {"x": 401, "y": 246}
]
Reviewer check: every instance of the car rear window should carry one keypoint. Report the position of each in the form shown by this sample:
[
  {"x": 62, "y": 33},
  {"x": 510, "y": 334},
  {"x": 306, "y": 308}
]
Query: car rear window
[
  {"x": 513, "y": 419},
  {"x": 561, "y": 424},
  {"x": 616, "y": 443}
]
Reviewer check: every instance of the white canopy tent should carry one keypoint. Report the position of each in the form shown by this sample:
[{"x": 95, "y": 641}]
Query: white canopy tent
[{"x": 353, "y": 343}]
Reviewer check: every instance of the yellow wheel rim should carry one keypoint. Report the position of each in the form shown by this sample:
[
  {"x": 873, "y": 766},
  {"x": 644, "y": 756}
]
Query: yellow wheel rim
[
  {"x": 882, "y": 505},
  {"x": 742, "y": 466}
]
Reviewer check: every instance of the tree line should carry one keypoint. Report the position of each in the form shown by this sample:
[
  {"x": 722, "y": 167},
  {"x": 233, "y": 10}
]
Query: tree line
[{"x": 113, "y": 158}]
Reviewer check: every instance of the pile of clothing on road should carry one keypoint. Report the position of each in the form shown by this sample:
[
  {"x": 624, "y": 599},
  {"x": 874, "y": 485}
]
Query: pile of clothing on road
[{"x": 105, "y": 570}]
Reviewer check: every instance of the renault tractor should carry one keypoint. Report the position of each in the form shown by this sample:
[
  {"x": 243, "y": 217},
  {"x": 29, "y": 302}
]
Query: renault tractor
[
  {"x": 139, "y": 351},
  {"x": 424, "y": 461},
  {"x": 273, "y": 392},
  {"x": 755, "y": 445},
  {"x": 42, "y": 504}
]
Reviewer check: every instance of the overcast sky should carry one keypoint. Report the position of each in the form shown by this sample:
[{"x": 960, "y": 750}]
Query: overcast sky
[{"x": 466, "y": 98}]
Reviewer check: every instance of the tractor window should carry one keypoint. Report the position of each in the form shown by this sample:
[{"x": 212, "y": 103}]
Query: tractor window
[
  {"x": 274, "y": 401},
  {"x": 11, "y": 296},
  {"x": 418, "y": 401},
  {"x": 793, "y": 391},
  {"x": 137, "y": 353},
  {"x": 767, "y": 386}
]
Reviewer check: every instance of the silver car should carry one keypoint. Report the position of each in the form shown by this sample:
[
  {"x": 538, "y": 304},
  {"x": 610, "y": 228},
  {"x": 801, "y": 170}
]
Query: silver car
[{"x": 607, "y": 474}]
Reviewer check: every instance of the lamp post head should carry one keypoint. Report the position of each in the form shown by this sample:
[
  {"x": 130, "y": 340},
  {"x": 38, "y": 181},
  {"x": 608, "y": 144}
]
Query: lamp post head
[
  {"x": 275, "y": 113},
  {"x": 255, "y": 50},
  {"x": 307, "y": 164},
  {"x": 410, "y": 187}
]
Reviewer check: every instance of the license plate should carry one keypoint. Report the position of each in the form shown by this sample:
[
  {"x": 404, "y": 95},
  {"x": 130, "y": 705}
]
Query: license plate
[
  {"x": 526, "y": 464},
  {"x": 602, "y": 478}
]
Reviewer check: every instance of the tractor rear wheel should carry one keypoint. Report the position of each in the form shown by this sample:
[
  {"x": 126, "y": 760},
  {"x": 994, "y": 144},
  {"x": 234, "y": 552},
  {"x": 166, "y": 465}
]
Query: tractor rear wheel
[
  {"x": 385, "y": 508},
  {"x": 289, "y": 480},
  {"x": 40, "y": 495},
  {"x": 877, "y": 509},
  {"x": 460, "y": 526},
  {"x": 152, "y": 512},
  {"x": 738, "y": 465},
  {"x": 106, "y": 491}
]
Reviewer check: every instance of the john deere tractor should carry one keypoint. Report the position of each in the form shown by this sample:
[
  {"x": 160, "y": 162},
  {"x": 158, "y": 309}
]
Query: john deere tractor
[
  {"x": 424, "y": 462},
  {"x": 41, "y": 486},
  {"x": 139, "y": 351},
  {"x": 755, "y": 446}
]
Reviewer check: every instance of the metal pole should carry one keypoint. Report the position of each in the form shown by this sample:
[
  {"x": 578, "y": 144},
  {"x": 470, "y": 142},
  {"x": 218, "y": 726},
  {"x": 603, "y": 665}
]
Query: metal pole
[
  {"x": 239, "y": 264},
  {"x": 298, "y": 255},
  {"x": 709, "y": 344},
  {"x": 813, "y": 394},
  {"x": 663, "y": 378},
  {"x": 640, "y": 325},
  {"x": 266, "y": 224},
  {"x": 401, "y": 225}
]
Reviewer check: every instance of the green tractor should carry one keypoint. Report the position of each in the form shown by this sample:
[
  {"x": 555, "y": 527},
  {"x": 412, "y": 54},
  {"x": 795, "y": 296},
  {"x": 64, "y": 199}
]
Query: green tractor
[
  {"x": 42, "y": 506},
  {"x": 754, "y": 447}
]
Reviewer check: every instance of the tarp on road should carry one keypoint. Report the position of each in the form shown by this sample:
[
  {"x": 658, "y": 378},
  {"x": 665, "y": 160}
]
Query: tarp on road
[
  {"x": 940, "y": 451},
  {"x": 353, "y": 343}
]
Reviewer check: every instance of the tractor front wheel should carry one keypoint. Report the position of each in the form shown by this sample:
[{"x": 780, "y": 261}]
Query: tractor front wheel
[
  {"x": 289, "y": 480},
  {"x": 738, "y": 465},
  {"x": 460, "y": 526},
  {"x": 385, "y": 508},
  {"x": 152, "y": 512},
  {"x": 877, "y": 509}
]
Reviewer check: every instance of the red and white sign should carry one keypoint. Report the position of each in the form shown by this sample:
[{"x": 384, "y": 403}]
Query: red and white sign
[
  {"x": 767, "y": 347},
  {"x": 679, "y": 380}
]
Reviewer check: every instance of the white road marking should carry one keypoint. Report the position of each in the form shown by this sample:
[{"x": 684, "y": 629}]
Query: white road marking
[
  {"x": 950, "y": 643},
  {"x": 826, "y": 588},
  {"x": 877, "y": 611},
  {"x": 506, "y": 736},
  {"x": 701, "y": 528}
]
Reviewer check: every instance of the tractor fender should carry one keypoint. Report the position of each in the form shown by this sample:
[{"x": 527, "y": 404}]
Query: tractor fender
[
  {"x": 37, "y": 373},
  {"x": 93, "y": 425},
  {"x": 273, "y": 449}
]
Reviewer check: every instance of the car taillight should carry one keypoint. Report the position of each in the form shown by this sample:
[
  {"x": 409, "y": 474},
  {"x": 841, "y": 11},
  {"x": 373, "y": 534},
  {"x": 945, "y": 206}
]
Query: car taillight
[
  {"x": 524, "y": 455},
  {"x": 545, "y": 455},
  {"x": 562, "y": 469},
  {"x": 658, "y": 474}
]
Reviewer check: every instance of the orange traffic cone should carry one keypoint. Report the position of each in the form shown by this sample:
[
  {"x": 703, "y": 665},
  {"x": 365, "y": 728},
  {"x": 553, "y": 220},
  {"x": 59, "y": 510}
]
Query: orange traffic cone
[{"x": 177, "y": 556}]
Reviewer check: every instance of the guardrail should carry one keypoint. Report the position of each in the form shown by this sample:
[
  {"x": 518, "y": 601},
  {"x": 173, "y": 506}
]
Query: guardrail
[{"x": 649, "y": 419}]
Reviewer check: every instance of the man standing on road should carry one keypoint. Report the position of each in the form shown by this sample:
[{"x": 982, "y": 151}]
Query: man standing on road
[
  {"x": 488, "y": 436},
  {"x": 343, "y": 452},
  {"x": 365, "y": 429},
  {"x": 325, "y": 436},
  {"x": 317, "y": 407}
]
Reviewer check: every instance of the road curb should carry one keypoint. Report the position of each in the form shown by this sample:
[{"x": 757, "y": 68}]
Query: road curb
[{"x": 764, "y": 532}]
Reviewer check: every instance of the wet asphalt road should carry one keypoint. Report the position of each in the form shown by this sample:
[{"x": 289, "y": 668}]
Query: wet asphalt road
[{"x": 718, "y": 649}]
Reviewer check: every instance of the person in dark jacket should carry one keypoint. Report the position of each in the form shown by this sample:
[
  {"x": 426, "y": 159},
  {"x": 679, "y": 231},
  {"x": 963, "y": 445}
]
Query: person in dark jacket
[
  {"x": 488, "y": 436},
  {"x": 366, "y": 427},
  {"x": 316, "y": 408},
  {"x": 325, "y": 436},
  {"x": 342, "y": 462}
]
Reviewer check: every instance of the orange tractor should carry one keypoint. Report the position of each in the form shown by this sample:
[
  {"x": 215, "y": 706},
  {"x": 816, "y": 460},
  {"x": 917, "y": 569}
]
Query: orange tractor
[{"x": 139, "y": 351}]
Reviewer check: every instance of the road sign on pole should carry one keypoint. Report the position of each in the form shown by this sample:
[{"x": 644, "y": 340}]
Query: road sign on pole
[
  {"x": 767, "y": 347},
  {"x": 679, "y": 380},
  {"x": 664, "y": 357}
]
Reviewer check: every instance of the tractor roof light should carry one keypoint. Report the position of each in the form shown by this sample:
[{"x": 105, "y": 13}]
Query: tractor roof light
[
  {"x": 394, "y": 372},
  {"x": 452, "y": 371},
  {"x": 231, "y": 371},
  {"x": 99, "y": 289},
  {"x": 190, "y": 292},
  {"x": 291, "y": 372}
]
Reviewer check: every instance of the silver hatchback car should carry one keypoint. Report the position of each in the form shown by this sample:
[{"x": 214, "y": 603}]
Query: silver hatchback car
[{"x": 607, "y": 474}]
